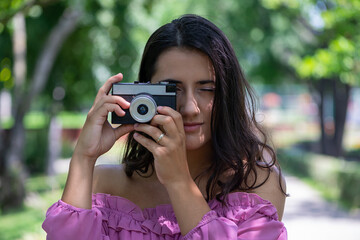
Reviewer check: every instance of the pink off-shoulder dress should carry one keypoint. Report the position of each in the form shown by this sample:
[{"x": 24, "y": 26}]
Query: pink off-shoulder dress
[{"x": 246, "y": 216}]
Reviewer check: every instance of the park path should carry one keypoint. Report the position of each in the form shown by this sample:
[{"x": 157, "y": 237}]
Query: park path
[{"x": 308, "y": 216}]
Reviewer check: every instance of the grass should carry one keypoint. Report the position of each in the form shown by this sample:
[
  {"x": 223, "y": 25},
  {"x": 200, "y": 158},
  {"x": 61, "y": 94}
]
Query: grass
[
  {"x": 72, "y": 120},
  {"x": 22, "y": 224},
  {"x": 37, "y": 120},
  {"x": 25, "y": 223}
]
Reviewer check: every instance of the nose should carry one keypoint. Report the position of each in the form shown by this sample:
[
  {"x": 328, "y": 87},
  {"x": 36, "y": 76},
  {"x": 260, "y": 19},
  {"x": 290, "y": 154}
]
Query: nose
[{"x": 188, "y": 105}]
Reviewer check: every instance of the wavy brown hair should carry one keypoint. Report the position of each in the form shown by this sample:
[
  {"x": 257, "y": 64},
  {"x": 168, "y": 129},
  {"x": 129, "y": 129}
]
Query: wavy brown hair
[{"x": 238, "y": 141}]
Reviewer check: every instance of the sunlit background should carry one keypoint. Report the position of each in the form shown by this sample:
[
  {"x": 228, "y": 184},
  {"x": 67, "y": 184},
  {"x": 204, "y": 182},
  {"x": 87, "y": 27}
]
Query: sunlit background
[{"x": 301, "y": 56}]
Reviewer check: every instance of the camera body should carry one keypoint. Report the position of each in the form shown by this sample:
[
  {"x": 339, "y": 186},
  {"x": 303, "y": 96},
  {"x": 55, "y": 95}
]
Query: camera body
[{"x": 144, "y": 99}]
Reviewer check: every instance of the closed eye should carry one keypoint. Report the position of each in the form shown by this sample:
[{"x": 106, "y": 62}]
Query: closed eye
[
  {"x": 208, "y": 89},
  {"x": 206, "y": 85}
]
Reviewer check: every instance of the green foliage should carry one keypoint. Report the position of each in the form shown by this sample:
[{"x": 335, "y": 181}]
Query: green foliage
[
  {"x": 341, "y": 59},
  {"x": 339, "y": 54},
  {"x": 330, "y": 30},
  {"x": 39, "y": 120},
  {"x": 347, "y": 177},
  {"x": 42, "y": 184},
  {"x": 270, "y": 38},
  {"x": 14, "y": 225},
  {"x": 273, "y": 40},
  {"x": 36, "y": 150},
  {"x": 335, "y": 178},
  {"x": 67, "y": 149},
  {"x": 6, "y": 75},
  {"x": 36, "y": 120},
  {"x": 72, "y": 120},
  {"x": 112, "y": 34},
  {"x": 8, "y": 7}
]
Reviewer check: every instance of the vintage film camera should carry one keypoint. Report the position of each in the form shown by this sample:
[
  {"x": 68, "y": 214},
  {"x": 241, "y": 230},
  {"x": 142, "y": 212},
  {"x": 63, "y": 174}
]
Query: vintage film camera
[{"x": 144, "y": 99}]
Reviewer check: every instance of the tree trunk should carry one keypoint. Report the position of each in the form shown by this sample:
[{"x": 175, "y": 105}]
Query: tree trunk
[
  {"x": 341, "y": 99},
  {"x": 13, "y": 175},
  {"x": 54, "y": 148},
  {"x": 332, "y": 104}
]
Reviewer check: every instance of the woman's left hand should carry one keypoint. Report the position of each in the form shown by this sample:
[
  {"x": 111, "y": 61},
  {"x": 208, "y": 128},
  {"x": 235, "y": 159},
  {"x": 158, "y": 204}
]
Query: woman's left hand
[
  {"x": 171, "y": 166},
  {"x": 169, "y": 151}
]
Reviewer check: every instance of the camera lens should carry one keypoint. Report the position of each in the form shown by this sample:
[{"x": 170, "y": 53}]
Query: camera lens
[{"x": 142, "y": 109}]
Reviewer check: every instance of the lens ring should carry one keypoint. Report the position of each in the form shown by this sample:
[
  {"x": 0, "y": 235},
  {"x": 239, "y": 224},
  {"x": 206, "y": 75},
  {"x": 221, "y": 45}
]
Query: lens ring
[{"x": 148, "y": 102}]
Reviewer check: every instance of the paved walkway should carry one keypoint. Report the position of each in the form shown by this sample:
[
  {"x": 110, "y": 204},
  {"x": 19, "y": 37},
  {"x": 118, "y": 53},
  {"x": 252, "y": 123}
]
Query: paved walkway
[{"x": 308, "y": 216}]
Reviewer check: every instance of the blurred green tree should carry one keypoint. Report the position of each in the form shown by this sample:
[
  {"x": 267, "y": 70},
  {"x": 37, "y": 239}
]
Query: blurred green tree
[
  {"x": 328, "y": 60},
  {"x": 100, "y": 47},
  {"x": 335, "y": 65},
  {"x": 277, "y": 41},
  {"x": 109, "y": 37},
  {"x": 13, "y": 172}
]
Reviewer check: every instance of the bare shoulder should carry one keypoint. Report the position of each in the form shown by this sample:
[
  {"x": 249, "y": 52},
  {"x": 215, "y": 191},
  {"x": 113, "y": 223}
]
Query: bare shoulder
[
  {"x": 144, "y": 192},
  {"x": 108, "y": 178},
  {"x": 273, "y": 188}
]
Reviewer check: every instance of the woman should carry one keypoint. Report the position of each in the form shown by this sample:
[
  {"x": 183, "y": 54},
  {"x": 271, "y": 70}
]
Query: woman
[{"x": 203, "y": 171}]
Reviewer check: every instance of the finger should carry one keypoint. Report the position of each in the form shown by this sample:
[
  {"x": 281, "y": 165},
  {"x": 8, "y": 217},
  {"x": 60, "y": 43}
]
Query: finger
[
  {"x": 150, "y": 130},
  {"x": 147, "y": 143},
  {"x": 105, "y": 89},
  {"x": 102, "y": 111},
  {"x": 168, "y": 111},
  {"x": 167, "y": 123},
  {"x": 123, "y": 129},
  {"x": 114, "y": 100}
]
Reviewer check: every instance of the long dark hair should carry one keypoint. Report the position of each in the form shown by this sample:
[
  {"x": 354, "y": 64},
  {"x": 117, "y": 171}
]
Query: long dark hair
[{"x": 238, "y": 141}]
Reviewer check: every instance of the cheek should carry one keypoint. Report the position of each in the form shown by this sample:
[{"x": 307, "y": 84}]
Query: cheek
[
  {"x": 207, "y": 113},
  {"x": 209, "y": 108},
  {"x": 208, "y": 105}
]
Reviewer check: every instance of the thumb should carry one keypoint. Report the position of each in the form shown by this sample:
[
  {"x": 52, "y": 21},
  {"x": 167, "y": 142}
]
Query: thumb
[{"x": 123, "y": 129}]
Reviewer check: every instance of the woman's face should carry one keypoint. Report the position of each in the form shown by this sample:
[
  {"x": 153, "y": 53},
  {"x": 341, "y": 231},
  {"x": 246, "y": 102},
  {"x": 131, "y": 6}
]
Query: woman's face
[{"x": 194, "y": 75}]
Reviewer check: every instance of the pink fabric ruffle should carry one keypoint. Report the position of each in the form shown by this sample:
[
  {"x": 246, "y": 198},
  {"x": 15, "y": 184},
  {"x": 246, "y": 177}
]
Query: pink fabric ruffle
[{"x": 112, "y": 217}]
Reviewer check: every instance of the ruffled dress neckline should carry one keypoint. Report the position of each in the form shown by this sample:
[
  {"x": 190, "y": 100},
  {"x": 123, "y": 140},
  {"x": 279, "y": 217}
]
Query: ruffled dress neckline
[
  {"x": 115, "y": 217},
  {"x": 125, "y": 206}
]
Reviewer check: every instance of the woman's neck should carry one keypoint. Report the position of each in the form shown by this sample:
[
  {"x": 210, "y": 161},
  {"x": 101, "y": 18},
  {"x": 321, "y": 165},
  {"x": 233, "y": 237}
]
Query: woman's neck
[{"x": 200, "y": 159}]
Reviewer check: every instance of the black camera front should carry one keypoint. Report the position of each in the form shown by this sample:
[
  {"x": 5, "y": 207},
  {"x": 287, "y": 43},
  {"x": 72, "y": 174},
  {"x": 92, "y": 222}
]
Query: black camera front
[{"x": 144, "y": 99}]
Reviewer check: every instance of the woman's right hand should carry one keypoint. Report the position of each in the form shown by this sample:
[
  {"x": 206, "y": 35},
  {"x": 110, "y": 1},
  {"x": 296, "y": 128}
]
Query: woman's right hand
[{"x": 97, "y": 135}]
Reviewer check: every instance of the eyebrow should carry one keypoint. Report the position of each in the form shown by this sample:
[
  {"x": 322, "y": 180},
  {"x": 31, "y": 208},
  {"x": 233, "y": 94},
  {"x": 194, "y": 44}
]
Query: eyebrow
[{"x": 201, "y": 82}]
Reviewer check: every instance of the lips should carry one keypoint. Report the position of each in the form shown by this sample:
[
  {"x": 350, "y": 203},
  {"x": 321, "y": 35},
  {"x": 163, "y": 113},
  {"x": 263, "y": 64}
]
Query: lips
[{"x": 192, "y": 127}]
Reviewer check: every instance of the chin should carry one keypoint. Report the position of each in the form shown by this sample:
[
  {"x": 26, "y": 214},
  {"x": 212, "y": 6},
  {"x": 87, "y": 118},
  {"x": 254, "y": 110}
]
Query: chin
[
  {"x": 192, "y": 147},
  {"x": 193, "y": 143}
]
